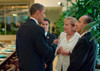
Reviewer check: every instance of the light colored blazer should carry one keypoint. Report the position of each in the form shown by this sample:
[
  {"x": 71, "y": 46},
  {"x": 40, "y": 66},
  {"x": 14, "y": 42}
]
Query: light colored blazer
[{"x": 67, "y": 45}]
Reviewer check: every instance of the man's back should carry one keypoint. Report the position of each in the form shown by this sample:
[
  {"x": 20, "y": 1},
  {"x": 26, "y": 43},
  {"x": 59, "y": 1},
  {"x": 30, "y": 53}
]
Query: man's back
[{"x": 31, "y": 47}]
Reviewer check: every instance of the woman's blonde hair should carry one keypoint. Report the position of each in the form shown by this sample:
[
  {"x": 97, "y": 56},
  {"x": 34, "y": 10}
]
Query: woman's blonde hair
[{"x": 72, "y": 20}]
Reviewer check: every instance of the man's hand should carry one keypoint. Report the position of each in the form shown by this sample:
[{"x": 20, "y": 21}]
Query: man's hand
[
  {"x": 45, "y": 66},
  {"x": 56, "y": 41}
]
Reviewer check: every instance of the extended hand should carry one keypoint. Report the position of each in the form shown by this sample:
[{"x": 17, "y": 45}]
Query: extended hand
[
  {"x": 45, "y": 66},
  {"x": 56, "y": 41}
]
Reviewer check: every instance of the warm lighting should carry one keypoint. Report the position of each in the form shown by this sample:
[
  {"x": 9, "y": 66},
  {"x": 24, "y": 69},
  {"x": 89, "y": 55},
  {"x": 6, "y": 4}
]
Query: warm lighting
[
  {"x": 14, "y": 14},
  {"x": 12, "y": 7},
  {"x": 60, "y": 4}
]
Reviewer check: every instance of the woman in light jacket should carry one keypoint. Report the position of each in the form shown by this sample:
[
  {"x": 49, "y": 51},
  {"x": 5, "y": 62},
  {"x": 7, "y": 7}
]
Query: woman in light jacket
[{"x": 68, "y": 40}]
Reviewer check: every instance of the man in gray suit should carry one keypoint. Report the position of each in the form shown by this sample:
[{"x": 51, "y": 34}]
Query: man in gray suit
[{"x": 31, "y": 45}]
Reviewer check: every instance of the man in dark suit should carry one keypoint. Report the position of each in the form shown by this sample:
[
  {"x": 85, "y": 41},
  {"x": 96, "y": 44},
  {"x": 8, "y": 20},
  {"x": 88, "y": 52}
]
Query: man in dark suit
[
  {"x": 31, "y": 45},
  {"x": 83, "y": 56},
  {"x": 50, "y": 38}
]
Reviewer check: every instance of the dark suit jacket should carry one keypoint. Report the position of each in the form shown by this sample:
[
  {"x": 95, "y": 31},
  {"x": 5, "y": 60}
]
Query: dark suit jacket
[
  {"x": 31, "y": 47},
  {"x": 83, "y": 57},
  {"x": 50, "y": 37}
]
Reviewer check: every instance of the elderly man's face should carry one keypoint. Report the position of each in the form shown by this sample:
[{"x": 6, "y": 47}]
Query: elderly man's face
[{"x": 80, "y": 24}]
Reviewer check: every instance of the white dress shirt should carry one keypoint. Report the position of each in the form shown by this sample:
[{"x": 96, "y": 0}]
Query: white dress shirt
[
  {"x": 63, "y": 61},
  {"x": 46, "y": 33}
]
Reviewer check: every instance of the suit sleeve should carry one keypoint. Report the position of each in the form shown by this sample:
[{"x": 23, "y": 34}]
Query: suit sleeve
[
  {"x": 50, "y": 60},
  {"x": 78, "y": 56},
  {"x": 41, "y": 45}
]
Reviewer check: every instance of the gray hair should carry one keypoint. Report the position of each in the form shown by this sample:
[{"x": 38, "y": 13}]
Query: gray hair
[
  {"x": 72, "y": 20},
  {"x": 88, "y": 19}
]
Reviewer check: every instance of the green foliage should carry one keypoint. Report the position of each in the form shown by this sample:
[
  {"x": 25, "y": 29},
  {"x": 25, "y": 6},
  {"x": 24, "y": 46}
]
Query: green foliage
[
  {"x": 95, "y": 27},
  {"x": 59, "y": 23}
]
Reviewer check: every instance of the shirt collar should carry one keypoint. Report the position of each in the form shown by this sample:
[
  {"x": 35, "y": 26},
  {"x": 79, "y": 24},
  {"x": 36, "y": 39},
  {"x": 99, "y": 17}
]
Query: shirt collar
[
  {"x": 85, "y": 33},
  {"x": 34, "y": 19},
  {"x": 46, "y": 33}
]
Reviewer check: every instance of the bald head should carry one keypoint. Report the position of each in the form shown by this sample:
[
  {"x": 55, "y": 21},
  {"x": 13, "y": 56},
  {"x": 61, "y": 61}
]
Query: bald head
[
  {"x": 82, "y": 22},
  {"x": 87, "y": 19}
]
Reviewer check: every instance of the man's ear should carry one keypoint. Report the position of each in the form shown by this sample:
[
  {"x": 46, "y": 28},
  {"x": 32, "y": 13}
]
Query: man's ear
[
  {"x": 37, "y": 11},
  {"x": 86, "y": 23}
]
